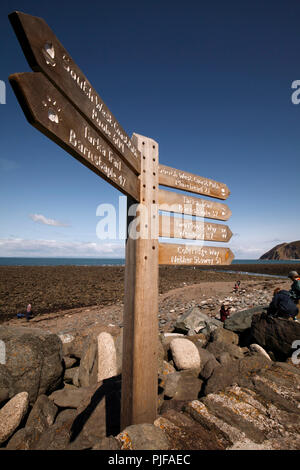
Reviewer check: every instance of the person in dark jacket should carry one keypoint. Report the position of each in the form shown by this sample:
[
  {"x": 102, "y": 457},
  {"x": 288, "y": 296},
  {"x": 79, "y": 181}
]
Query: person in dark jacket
[
  {"x": 224, "y": 313},
  {"x": 282, "y": 305},
  {"x": 295, "y": 289}
]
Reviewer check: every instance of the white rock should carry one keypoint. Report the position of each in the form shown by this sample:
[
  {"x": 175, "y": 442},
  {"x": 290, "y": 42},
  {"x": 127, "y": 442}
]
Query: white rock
[
  {"x": 12, "y": 414},
  {"x": 191, "y": 333},
  {"x": 247, "y": 444},
  {"x": 2, "y": 352},
  {"x": 185, "y": 354},
  {"x": 259, "y": 349},
  {"x": 172, "y": 334},
  {"x": 107, "y": 357},
  {"x": 66, "y": 338}
]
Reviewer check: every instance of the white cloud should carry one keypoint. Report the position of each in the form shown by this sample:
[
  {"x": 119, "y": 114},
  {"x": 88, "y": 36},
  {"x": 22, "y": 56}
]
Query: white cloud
[
  {"x": 275, "y": 241},
  {"x": 248, "y": 251},
  {"x": 43, "y": 220},
  {"x": 252, "y": 249},
  {"x": 20, "y": 247}
]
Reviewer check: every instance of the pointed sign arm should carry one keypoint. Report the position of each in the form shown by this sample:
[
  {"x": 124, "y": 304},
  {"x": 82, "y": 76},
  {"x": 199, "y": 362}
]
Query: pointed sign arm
[
  {"x": 50, "y": 112},
  {"x": 46, "y": 54},
  {"x": 185, "y": 181}
]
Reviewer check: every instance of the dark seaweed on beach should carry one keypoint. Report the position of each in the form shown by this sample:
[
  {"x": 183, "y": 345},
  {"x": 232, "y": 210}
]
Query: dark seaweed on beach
[{"x": 53, "y": 288}]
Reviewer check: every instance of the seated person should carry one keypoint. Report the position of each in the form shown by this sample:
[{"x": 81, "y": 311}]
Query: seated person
[
  {"x": 224, "y": 312},
  {"x": 295, "y": 289},
  {"x": 282, "y": 305},
  {"x": 29, "y": 313}
]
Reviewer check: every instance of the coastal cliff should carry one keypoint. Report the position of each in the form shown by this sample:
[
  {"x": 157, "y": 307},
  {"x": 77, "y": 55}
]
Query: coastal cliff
[{"x": 284, "y": 251}]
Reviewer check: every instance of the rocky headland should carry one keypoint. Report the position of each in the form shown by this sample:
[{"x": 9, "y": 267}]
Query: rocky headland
[{"x": 284, "y": 251}]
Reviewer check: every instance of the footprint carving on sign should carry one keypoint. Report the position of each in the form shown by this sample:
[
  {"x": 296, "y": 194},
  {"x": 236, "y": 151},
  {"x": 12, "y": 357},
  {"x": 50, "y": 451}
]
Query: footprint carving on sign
[
  {"x": 49, "y": 54},
  {"x": 53, "y": 110}
]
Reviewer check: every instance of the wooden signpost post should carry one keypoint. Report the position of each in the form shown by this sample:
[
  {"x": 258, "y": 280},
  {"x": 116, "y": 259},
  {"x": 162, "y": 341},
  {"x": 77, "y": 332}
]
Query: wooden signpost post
[
  {"x": 60, "y": 102},
  {"x": 140, "y": 337}
]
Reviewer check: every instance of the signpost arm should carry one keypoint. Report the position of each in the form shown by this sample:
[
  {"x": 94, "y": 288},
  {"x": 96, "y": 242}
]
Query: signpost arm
[{"x": 140, "y": 341}]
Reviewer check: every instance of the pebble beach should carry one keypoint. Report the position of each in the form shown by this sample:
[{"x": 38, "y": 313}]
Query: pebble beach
[{"x": 54, "y": 291}]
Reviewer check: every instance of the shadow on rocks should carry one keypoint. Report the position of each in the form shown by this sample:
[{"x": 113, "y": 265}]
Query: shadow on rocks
[
  {"x": 110, "y": 391},
  {"x": 245, "y": 338}
]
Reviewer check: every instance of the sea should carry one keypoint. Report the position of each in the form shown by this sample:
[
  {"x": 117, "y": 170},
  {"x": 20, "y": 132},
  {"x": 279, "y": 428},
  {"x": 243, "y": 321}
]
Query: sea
[
  {"x": 107, "y": 261},
  {"x": 121, "y": 262}
]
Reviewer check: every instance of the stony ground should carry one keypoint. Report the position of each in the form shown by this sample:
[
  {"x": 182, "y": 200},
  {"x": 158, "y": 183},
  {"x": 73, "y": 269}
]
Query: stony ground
[
  {"x": 57, "y": 288},
  {"x": 209, "y": 295},
  {"x": 240, "y": 400}
]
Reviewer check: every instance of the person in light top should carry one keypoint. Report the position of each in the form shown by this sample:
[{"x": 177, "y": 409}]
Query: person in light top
[{"x": 28, "y": 312}]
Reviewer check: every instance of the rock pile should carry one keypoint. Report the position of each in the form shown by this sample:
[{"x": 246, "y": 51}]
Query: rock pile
[
  {"x": 174, "y": 311},
  {"x": 213, "y": 392},
  {"x": 59, "y": 391}
]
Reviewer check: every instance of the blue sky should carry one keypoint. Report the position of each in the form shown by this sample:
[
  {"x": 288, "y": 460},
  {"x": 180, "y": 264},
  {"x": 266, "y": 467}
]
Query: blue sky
[{"x": 210, "y": 81}]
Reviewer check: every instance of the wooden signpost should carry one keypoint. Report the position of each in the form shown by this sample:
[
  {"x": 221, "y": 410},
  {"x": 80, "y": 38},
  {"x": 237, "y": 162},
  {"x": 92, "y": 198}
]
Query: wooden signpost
[
  {"x": 60, "y": 102},
  {"x": 171, "y": 253},
  {"x": 176, "y": 227},
  {"x": 140, "y": 337},
  {"x": 46, "y": 54},
  {"x": 52, "y": 114},
  {"x": 188, "y": 182},
  {"x": 183, "y": 204}
]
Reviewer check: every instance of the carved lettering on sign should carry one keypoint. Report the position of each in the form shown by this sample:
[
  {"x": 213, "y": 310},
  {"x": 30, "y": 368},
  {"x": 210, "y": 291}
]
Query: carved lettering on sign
[
  {"x": 53, "y": 115},
  {"x": 188, "y": 182},
  {"x": 189, "y": 205},
  {"x": 46, "y": 54},
  {"x": 177, "y": 254}
]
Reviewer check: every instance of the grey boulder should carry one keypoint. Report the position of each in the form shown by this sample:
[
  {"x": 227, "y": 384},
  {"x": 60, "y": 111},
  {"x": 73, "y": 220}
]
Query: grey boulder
[
  {"x": 275, "y": 334},
  {"x": 12, "y": 414},
  {"x": 39, "y": 420},
  {"x": 6, "y": 384},
  {"x": 196, "y": 321},
  {"x": 241, "y": 321},
  {"x": 143, "y": 437},
  {"x": 183, "y": 385},
  {"x": 34, "y": 360}
]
